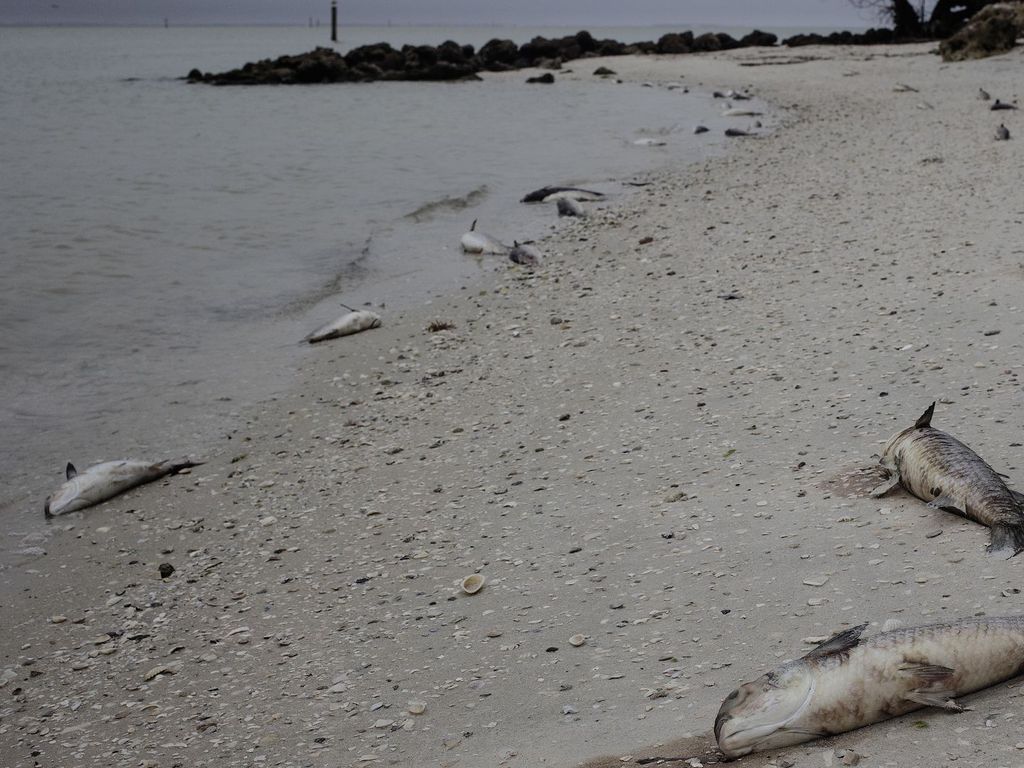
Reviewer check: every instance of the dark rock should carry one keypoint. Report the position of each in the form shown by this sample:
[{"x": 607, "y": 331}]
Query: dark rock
[
  {"x": 870, "y": 37},
  {"x": 675, "y": 42},
  {"x": 547, "y": 78},
  {"x": 498, "y": 55},
  {"x": 600, "y": 71},
  {"x": 166, "y": 569},
  {"x": 758, "y": 38},
  {"x": 707, "y": 42},
  {"x": 194, "y": 76},
  {"x": 609, "y": 48},
  {"x": 585, "y": 41}
]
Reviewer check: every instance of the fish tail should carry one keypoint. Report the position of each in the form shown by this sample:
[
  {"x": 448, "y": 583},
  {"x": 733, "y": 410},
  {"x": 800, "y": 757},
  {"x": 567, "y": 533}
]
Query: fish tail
[
  {"x": 174, "y": 466},
  {"x": 1007, "y": 539}
]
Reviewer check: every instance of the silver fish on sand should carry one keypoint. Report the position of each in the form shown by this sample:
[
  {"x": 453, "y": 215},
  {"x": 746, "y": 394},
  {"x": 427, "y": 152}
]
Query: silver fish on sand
[
  {"x": 481, "y": 242},
  {"x": 847, "y": 682},
  {"x": 353, "y": 322},
  {"x": 939, "y": 469},
  {"x": 568, "y": 207},
  {"x": 104, "y": 481},
  {"x": 526, "y": 255},
  {"x": 550, "y": 194}
]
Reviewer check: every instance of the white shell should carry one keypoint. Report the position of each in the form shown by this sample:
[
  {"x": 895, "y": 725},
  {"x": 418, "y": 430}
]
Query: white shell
[
  {"x": 353, "y": 322},
  {"x": 473, "y": 583}
]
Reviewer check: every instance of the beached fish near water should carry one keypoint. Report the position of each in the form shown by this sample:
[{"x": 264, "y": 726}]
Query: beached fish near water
[
  {"x": 104, "y": 481},
  {"x": 481, "y": 242},
  {"x": 549, "y": 194},
  {"x": 939, "y": 469},
  {"x": 846, "y": 682},
  {"x": 526, "y": 255},
  {"x": 568, "y": 207},
  {"x": 355, "y": 321}
]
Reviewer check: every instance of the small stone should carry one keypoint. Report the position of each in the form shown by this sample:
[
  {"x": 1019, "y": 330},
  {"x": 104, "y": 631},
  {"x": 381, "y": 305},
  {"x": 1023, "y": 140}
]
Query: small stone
[
  {"x": 816, "y": 601},
  {"x": 382, "y": 723},
  {"x": 58, "y": 619},
  {"x": 816, "y": 581},
  {"x": 569, "y": 709},
  {"x": 416, "y": 707},
  {"x": 577, "y": 640},
  {"x": 268, "y": 520},
  {"x": 166, "y": 569},
  {"x": 851, "y": 757},
  {"x": 933, "y": 534}
]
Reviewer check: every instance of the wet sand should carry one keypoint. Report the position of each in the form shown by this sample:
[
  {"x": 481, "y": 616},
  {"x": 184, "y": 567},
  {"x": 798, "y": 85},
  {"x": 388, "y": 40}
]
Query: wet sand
[{"x": 622, "y": 451}]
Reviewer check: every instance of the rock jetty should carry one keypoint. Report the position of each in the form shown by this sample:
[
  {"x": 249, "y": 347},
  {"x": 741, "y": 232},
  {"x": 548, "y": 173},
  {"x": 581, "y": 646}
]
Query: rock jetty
[{"x": 451, "y": 61}]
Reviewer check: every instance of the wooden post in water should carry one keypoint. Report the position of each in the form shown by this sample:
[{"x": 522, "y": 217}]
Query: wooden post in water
[{"x": 334, "y": 21}]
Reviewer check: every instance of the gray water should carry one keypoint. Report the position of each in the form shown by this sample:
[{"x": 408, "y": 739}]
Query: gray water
[{"x": 164, "y": 246}]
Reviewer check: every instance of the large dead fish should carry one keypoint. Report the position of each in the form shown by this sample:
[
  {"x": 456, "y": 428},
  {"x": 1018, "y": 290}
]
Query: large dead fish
[
  {"x": 354, "y": 321},
  {"x": 550, "y": 194},
  {"x": 941, "y": 470},
  {"x": 846, "y": 683},
  {"x": 104, "y": 481},
  {"x": 481, "y": 242}
]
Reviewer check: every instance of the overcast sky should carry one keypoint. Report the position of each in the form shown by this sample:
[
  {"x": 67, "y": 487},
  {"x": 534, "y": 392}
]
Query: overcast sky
[{"x": 581, "y": 13}]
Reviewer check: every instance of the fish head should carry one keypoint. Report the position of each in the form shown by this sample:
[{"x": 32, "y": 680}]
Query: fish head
[{"x": 763, "y": 714}]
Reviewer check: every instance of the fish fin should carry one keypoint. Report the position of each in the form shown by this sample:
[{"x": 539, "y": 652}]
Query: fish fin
[
  {"x": 942, "y": 699},
  {"x": 70, "y": 472},
  {"x": 948, "y": 504},
  {"x": 883, "y": 488},
  {"x": 839, "y": 643},
  {"x": 1007, "y": 540},
  {"x": 925, "y": 419},
  {"x": 472, "y": 227},
  {"x": 927, "y": 673}
]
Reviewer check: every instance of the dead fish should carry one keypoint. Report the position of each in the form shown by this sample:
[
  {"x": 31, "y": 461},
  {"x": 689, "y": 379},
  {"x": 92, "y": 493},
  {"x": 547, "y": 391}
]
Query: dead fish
[
  {"x": 846, "y": 682},
  {"x": 105, "y": 481},
  {"x": 548, "y": 194},
  {"x": 737, "y": 132},
  {"x": 1002, "y": 133},
  {"x": 997, "y": 104},
  {"x": 526, "y": 255},
  {"x": 481, "y": 242},
  {"x": 939, "y": 469},
  {"x": 569, "y": 207},
  {"x": 355, "y": 321}
]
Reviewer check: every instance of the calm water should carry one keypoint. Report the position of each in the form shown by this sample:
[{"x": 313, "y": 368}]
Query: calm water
[{"x": 163, "y": 246}]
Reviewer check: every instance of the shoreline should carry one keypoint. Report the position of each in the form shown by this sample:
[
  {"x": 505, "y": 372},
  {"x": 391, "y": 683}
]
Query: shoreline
[
  {"x": 620, "y": 451},
  {"x": 139, "y": 403}
]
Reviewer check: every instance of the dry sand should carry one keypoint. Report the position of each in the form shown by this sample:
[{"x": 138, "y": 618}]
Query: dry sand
[{"x": 621, "y": 452}]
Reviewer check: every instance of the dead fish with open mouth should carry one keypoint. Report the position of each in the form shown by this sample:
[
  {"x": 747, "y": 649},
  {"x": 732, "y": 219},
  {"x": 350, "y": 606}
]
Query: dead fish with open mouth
[
  {"x": 939, "y": 469},
  {"x": 846, "y": 683},
  {"x": 105, "y": 481}
]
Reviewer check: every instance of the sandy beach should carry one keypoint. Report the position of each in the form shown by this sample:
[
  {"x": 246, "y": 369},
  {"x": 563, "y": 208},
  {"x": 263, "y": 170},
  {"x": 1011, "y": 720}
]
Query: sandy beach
[{"x": 636, "y": 443}]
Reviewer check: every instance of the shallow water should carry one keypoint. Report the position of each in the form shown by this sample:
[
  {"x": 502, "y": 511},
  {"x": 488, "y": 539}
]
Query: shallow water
[{"x": 165, "y": 245}]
